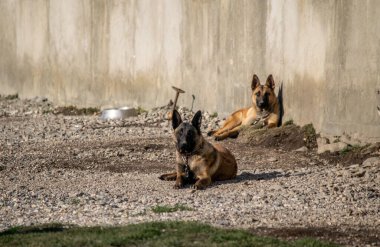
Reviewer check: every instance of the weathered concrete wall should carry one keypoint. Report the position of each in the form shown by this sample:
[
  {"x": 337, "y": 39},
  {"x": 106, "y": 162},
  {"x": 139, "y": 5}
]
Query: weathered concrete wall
[{"x": 103, "y": 53}]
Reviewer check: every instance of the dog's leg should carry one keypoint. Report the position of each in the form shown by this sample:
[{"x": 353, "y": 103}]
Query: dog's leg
[
  {"x": 234, "y": 132},
  {"x": 272, "y": 121},
  {"x": 230, "y": 123},
  {"x": 211, "y": 132},
  {"x": 231, "y": 133},
  {"x": 180, "y": 176},
  {"x": 168, "y": 176},
  {"x": 227, "y": 128},
  {"x": 178, "y": 182},
  {"x": 202, "y": 182},
  {"x": 218, "y": 131}
]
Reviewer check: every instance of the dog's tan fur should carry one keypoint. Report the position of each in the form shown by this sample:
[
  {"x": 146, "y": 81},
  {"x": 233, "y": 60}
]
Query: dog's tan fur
[
  {"x": 247, "y": 116},
  {"x": 208, "y": 163}
]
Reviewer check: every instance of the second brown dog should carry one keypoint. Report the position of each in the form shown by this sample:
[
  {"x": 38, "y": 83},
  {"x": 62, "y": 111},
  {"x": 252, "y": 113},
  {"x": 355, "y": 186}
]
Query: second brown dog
[{"x": 264, "y": 107}]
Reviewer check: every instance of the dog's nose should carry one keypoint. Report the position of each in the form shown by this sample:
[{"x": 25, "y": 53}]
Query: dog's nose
[{"x": 183, "y": 146}]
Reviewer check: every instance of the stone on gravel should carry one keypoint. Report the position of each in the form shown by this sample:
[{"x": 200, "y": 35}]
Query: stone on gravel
[
  {"x": 332, "y": 147},
  {"x": 350, "y": 141},
  {"x": 321, "y": 141},
  {"x": 272, "y": 159},
  {"x": 373, "y": 161},
  {"x": 302, "y": 149}
]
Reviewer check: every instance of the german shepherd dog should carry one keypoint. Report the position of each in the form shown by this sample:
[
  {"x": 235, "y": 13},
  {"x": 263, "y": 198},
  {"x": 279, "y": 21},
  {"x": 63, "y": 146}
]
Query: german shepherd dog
[
  {"x": 265, "y": 109},
  {"x": 198, "y": 161}
]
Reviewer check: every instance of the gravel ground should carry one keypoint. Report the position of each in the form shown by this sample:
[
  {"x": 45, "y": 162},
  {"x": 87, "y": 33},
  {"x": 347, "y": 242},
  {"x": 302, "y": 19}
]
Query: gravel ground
[{"x": 81, "y": 170}]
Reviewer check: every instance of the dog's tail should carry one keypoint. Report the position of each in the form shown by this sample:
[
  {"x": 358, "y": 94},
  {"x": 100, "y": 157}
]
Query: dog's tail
[{"x": 280, "y": 104}]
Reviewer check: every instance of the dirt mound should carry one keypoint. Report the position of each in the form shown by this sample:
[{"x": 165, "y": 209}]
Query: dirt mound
[
  {"x": 288, "y": 137},
  {"x": 292, "y": 137},
  {"x": 352, "y": 154}
]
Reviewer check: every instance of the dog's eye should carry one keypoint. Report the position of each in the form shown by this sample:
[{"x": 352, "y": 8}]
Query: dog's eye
[{"x": 258, "y": 94}]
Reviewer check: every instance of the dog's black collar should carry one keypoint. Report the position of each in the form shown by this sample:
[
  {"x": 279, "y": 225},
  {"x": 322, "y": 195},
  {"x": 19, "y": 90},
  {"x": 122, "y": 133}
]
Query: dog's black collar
[
  {"x": 187, "y": 167},
  {"x": 185, "y": 158},
  {"x": 261, "y": 117}
]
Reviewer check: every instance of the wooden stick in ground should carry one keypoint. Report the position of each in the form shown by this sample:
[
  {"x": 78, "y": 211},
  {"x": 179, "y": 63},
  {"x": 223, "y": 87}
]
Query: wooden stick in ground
[{"x": 178, "y": 91}]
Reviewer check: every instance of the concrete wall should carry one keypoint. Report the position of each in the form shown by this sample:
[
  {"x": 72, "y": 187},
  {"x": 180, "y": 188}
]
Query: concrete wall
[{"x": 103, "y": 53}]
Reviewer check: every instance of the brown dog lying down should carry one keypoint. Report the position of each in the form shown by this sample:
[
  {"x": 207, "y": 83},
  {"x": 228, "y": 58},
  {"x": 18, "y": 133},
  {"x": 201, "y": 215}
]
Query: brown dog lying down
[
  {"x": 198, "y": 161},
  {"x": 265, "y": 108}
]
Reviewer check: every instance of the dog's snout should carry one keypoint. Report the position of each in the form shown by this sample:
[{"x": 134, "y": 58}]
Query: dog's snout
[{"x": 183, "y": 146}]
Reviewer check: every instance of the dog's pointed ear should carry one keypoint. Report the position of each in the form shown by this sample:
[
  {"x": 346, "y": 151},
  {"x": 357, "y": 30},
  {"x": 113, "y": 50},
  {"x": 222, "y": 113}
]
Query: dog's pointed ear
[
  {"x": 255, "y": 82},
  {"x": 176, "y": 119},
  {"x": 197, "y": 120},
  {"x": 270, "y": 82}
]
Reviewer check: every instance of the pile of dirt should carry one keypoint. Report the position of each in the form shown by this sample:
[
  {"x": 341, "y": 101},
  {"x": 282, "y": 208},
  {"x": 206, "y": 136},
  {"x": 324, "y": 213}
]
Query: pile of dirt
[
  {"x": 287, "y": 137},
  {"x": 292, "y": 137},
  {"x": 352, "y": 154}
]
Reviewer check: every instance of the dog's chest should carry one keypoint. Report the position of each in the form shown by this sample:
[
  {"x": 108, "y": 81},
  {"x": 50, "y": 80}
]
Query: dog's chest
[
  {"x": 195, "y": 163},
  {"x": 204, "y": 164}
]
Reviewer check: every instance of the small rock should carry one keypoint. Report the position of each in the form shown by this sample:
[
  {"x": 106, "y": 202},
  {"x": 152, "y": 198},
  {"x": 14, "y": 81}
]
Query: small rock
[
  {"x": 272, "y": 159},
  {"x": 333, "y": 147},
  {"x": 372, "y": 148},
  {"x": 373, "y": 161},
  {"x": 354, "y": 166},
  {"x": 222, "y": 222},
  {"x": 359, "y": 173},
  {"x": 322, "y": 141},
  {"x": 302, "y": 149},
  {"x": 39, "y": 99},
  {"x": 350, "y": 141}
]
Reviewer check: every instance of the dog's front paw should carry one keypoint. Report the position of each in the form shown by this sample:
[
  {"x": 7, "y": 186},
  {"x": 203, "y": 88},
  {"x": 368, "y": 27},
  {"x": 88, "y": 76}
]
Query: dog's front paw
[
  {"x": 197, "y": 187},
  {"x": 194, "y": 187},
  {"x": 168, "y": 177},
  {"x": 178, "y": 186},
  {"x": 210, "y": 133},
  {"x": 217, "y": 138}
]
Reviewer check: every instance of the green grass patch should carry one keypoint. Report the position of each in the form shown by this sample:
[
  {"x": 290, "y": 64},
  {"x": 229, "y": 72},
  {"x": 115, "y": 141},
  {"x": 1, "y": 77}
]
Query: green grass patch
[
  {"x": 145, "y": 234},
  {"x": 349, "y": 149},
  {"x": 140, "y": 110},
  {"x": 289, "y": 122},
  {"x": 214, "y": 115},
  {"x": 310, "y": 135},
  {"x": 169, "y": 209}
]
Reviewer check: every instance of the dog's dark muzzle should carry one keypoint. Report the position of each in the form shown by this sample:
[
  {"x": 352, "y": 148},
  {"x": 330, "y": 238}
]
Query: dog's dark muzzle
[
  {"x": 185, "y": 148},
  {"x": 262, "y": 103}
]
